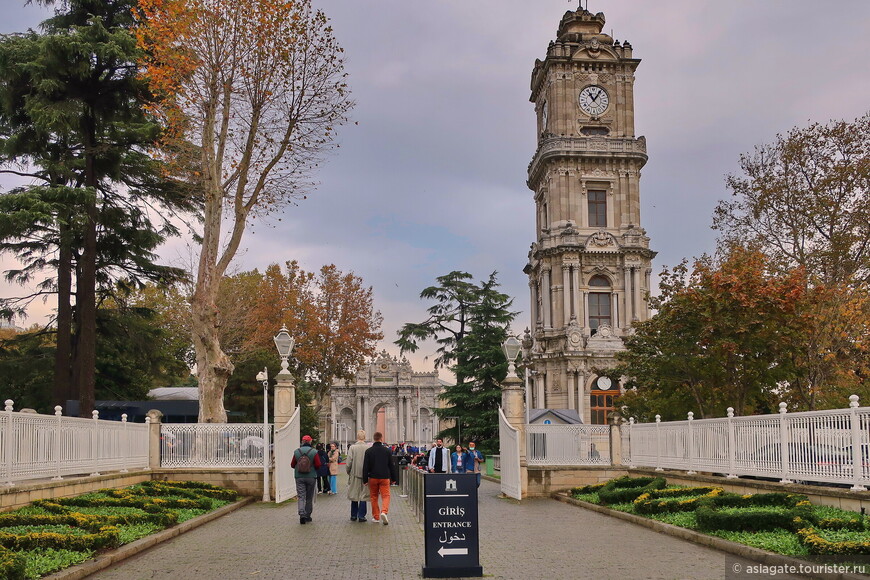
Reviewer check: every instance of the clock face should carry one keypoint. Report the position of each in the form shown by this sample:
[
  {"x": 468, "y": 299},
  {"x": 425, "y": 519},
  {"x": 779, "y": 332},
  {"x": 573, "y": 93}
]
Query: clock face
[
  {"x": 604, "y": 383},
  {"x": 594, "y": 100}
]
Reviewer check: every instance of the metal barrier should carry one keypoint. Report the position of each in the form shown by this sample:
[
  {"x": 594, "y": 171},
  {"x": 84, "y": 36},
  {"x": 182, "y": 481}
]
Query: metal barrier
[
  {"x": 568, "y": 445},
  {"x": 211, "y": 445},
  {"x": 412, "y": 486}
]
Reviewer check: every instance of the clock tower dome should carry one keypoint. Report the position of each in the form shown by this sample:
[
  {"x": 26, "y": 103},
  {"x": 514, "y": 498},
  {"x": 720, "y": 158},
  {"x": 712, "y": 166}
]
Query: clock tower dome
[{"x": 589, "y": 266}]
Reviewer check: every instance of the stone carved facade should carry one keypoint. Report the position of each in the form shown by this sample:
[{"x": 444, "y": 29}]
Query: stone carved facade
[
  {"x": 589, "y": 268},
  {"x": 386, "y": 389}
]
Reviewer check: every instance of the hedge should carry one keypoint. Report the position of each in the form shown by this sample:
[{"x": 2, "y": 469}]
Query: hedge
[
  {"x": 12, "y": 565},
  {"x": 102, "y": 529},
  {"x": 819, "y": 545},
  {"x": 625, "y": 489},
  {"x": 683, "y": 499},
  {"x": 594, "y": 488},
  {"x": 106, "y": 537},
  {"x": 709, "y": 516},
  {"x": 190, "y": 489}
]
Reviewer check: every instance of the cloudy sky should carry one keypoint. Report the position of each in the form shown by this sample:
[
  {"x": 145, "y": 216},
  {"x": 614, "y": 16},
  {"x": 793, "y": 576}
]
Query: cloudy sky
[{"x": 432, "y": 179}]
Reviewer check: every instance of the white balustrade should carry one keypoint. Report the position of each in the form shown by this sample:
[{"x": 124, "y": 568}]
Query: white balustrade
[
  {"x": 212, "y": 445},
  {"x": 811, "y": 446},
  {"x": 36, "y": 446}
]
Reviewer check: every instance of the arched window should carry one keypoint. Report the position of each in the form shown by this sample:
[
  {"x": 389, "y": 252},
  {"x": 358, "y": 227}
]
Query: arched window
[{"x": 599, "y": 303}]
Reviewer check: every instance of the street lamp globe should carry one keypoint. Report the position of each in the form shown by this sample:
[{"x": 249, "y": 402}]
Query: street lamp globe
[
  {"x": 512, "y": 347},
  {"x": 284, "y": 343}
]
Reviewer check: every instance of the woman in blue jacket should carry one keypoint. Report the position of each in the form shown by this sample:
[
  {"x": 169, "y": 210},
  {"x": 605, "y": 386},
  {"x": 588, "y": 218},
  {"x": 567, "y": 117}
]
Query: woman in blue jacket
[{"x": 460, "y": 461}]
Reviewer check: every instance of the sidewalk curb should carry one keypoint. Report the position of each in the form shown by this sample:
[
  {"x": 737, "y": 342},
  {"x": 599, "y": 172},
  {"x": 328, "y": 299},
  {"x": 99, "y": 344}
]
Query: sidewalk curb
[
  {"x": 721, "y": 544},
  {"x": 103, "y": 561}
]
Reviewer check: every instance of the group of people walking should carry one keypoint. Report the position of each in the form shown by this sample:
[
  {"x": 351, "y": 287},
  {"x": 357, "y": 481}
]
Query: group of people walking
[
  {"x": 370, "y": 471},
  {"x": 461, "y": 460}
]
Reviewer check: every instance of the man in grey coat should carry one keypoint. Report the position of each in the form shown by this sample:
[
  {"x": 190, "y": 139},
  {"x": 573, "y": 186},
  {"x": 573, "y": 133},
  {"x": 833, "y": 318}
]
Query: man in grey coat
[{"x": 357, "y": 491}]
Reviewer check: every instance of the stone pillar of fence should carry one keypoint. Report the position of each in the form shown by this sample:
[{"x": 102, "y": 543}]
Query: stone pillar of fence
[
  {"x": 285, "y": 398},
  {"x": 616, "y": 439},
  {"x": 514, "y": 409},
  {"x": 154, "y": 419}
]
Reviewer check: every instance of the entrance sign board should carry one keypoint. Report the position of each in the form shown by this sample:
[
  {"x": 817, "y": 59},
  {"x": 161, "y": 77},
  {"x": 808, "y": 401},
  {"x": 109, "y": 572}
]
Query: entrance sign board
[{"x": 451, "y": 531}]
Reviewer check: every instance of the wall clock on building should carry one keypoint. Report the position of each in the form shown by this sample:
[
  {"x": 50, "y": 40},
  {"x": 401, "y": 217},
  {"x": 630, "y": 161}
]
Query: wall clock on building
[
  {"x": 603, "y": 383},
  {"x": 594, "y": 100}
]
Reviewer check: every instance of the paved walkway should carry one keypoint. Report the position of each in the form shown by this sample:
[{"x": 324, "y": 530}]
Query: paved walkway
[{"x": 535, "y": 539}]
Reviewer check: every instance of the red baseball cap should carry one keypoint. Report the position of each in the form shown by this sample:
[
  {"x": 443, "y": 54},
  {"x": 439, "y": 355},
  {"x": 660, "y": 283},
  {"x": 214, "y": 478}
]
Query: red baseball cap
[{"x": 306, "y": 438}]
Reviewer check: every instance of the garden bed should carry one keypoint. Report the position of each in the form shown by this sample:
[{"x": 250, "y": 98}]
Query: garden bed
[
  {"x": 50, "y": 535},
  {"x": 779, "y": 523}
]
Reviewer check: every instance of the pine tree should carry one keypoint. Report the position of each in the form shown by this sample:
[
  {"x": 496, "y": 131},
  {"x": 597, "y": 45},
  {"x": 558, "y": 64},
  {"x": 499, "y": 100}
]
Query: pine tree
[
  {"x": 72, "y": 119},
  {"x": 470, "y": 323}
]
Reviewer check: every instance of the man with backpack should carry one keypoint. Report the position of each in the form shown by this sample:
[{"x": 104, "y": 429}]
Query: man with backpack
[{"x": 305, "y": 463}]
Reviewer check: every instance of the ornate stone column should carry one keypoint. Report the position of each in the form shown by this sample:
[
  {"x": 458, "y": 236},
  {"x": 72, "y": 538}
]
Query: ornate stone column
[
  {"x": 635, "y": 275},
  {"x": 547, "y": 301},
  {"x": 566, "y": 294},
  {"x": 533, "y": 291},
  {"x": 576, "y": 295},
  {"x": 572, "y": 396}
]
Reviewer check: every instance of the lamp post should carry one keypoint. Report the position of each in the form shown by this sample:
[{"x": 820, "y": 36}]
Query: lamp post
[
  {"x": 527, "y": 364},
  {"x": 263, "y": 376},
  {"x": 285, "y": 393}
]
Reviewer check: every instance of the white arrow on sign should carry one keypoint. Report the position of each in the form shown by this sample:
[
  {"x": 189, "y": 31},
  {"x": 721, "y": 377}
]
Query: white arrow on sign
[{"x": 452, "y": 551}]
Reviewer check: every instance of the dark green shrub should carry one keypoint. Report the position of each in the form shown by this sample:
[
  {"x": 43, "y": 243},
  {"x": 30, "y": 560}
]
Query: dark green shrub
[
  {"x": 594, "y": 488},
  {"x": 846, "y": 543},
  {"x": 627, "y": 489},
  {"x": 753, "y": 513},
  {"x": 107, "y": 537},
  {"x": 190, "y": 489},
  {"x": 11, "y": 565},
  {"x": 684, "y": 499}
]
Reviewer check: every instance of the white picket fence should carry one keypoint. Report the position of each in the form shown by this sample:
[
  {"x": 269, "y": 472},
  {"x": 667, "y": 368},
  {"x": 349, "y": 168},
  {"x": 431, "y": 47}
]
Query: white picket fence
[
  {"x": 34, "y": 446},
  {"x": 812, "y": 446},
  {"x": 567, "y": 445},
  {"x": 212, "y": 445}
]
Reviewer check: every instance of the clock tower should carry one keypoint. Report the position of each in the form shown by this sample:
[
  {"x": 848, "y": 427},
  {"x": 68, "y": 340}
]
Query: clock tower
[{"x": 589, "y": 266}]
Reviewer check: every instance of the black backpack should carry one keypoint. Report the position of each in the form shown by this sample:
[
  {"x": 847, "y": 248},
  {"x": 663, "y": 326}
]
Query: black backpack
[{"x": 303, "y": 463}]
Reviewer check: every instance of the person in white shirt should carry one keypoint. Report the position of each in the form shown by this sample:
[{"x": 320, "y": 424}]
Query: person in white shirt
[{"x": 439, "y": 458}]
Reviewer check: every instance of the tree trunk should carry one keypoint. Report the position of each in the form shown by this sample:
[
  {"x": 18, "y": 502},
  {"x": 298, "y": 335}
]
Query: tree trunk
[
  {"x": 86, "y": 304},
  {"x": 213, "y": 366},
  {"x": 63, "y": 348},
  {"x": 86, "y": 283}
]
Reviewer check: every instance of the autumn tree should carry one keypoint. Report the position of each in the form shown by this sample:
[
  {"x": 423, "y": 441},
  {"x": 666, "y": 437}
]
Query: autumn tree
[
  {"x": 253, "y": 91},
  {"x": 827, "y": 350},
  {"x": 469, "y": 321},
  {"x": 719, "y": 337},
  {"x": 331, "y": 315},
  {"x": 805, "y": 200}
]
